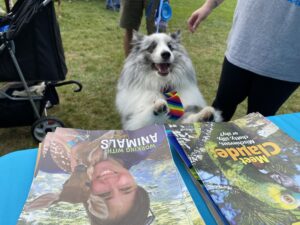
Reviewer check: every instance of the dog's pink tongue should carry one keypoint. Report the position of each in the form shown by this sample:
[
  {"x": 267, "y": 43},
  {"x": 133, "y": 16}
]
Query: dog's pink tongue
[{"x": 163, "y": 68}]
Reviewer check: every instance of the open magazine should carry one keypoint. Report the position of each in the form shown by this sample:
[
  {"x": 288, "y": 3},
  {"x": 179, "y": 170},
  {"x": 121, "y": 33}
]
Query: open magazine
[
  {"x": 249, "y": 168},
  {"x": 108, "y": 177}
]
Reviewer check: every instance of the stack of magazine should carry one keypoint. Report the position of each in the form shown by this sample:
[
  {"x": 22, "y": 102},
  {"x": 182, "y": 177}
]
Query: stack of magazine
[
  {"x": 247, "y": 171},
  {"x": 108, "y": 177}
]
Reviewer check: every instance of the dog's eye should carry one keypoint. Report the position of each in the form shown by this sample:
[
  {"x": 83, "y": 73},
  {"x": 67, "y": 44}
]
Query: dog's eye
[
  {"x": 170, "y": 45},
  {"x": 152, "y": 47}
]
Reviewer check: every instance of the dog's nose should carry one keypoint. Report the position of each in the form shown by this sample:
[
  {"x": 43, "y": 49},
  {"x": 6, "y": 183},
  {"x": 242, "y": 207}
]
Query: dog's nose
[{"x": 165, "y": 55}]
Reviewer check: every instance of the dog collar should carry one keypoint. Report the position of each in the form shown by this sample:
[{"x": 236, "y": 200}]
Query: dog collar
[{"x": 174, "y": 104}]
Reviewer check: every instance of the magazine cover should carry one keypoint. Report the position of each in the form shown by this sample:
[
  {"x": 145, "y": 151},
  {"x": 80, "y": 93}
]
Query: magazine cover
[
  {"x": 250, "y": 168},
  {"x": 108, "y": 177}
]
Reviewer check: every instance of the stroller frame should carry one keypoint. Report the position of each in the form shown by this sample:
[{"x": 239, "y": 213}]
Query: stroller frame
[
  {"x": 10, "y": 46},
  {"x": 42, "y": 124}
]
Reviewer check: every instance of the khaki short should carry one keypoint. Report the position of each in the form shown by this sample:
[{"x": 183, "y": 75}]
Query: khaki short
[{"x": 132, "y": 12}]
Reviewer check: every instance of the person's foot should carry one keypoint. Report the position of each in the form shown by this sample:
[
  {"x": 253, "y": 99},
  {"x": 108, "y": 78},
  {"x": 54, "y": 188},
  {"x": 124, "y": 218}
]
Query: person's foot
[
  {"x": 109, "y": 7},
  {"x": 113, "y": 8}
]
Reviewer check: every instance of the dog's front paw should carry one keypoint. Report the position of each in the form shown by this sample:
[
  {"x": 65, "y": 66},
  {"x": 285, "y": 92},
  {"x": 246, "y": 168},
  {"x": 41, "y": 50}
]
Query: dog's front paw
[
  {"x": 207, "y": 114},
  {"x": 160, "y": 107}
]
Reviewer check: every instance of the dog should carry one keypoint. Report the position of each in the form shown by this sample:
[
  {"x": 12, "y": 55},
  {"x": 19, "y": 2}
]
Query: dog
[{"x": 159, "y": 63}]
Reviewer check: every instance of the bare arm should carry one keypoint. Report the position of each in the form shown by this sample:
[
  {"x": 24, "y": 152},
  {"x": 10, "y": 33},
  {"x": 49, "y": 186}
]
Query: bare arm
[{"x": 200, "y": 14}]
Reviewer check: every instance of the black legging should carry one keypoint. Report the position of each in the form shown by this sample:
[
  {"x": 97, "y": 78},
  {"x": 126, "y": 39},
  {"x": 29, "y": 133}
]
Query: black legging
[{"x": 265, "y": 95}]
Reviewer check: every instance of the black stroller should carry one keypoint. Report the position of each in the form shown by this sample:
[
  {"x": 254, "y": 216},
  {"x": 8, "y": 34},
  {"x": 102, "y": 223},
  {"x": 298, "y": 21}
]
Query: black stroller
[{"x": 32, "y": 64}]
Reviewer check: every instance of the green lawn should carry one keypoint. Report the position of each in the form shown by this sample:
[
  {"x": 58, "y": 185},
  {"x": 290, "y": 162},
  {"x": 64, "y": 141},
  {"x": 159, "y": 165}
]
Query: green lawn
[{"x": 93, "y": 44}]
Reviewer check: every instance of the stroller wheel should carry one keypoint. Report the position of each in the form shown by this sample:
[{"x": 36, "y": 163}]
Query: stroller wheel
[{"x": 43, "y": 125}]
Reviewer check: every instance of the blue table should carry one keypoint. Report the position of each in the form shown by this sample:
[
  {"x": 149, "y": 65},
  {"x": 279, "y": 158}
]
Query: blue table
[{"x": 17, "y": 174}]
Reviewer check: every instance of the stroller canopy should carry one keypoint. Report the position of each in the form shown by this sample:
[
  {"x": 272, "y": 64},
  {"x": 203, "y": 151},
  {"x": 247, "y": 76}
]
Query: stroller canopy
[{"x": 38, "y": 47}]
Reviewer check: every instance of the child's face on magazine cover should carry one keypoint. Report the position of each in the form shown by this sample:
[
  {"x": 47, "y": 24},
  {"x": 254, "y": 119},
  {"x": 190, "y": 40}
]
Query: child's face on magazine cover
[{"x": 114, "y": 183}]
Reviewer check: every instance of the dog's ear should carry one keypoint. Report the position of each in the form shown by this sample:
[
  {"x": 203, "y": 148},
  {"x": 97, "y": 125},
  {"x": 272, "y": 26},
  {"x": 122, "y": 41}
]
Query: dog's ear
[
  {"x": 137, "y": 37},
  {"x": 176, "y": 35}
]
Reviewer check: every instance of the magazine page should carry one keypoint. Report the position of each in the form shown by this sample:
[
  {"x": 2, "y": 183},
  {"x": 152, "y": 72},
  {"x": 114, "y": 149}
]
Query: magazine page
[
  {"x": 251, "y": 170},
  {"x": 187, "y": 140},
  {"x": 108, "y": 177},
  {"x": 183, "y": 138}
]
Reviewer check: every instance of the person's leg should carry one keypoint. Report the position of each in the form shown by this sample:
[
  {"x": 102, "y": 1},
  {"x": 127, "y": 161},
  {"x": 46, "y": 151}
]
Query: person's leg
[
  {"x": 131, "y": 16},
  {"x": 127, "y": 41},
  {"x": 267, "y": 94},
  {"x": 232, "y": 90}
]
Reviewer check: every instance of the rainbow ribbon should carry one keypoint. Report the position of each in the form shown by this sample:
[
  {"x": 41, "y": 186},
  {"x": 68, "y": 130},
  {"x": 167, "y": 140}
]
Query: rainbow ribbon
[{"x": 175, "y": 105}]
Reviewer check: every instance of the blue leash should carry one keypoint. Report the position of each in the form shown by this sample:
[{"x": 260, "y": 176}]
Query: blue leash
[{"x": 163, "y": 14}]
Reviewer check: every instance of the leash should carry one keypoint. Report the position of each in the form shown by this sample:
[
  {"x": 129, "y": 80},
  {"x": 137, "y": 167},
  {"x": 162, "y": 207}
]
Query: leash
[{"x": 163, "y": 14}]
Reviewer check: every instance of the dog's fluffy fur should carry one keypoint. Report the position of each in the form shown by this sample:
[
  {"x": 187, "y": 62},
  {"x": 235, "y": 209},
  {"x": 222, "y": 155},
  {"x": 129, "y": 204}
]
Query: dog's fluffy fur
[{"x": 159, "y": 63}]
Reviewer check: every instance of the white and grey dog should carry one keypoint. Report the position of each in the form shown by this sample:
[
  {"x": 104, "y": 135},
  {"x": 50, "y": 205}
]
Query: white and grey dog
[{"x": 159, "y": 63}]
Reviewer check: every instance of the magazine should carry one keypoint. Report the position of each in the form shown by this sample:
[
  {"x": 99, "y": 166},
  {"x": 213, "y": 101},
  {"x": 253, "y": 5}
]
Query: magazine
[
  {"x": 182, "y": 139},
  {"x": 108, "y": 177},
  {"x": 249, "y": 167}
]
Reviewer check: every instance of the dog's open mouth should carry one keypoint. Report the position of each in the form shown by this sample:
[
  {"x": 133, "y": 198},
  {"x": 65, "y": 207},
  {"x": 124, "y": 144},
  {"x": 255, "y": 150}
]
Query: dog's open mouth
[{"x": 163, "y": 69}]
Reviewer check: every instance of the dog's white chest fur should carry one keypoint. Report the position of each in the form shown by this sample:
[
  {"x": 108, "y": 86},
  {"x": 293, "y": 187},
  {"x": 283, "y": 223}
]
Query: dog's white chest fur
[{"x": 157, "y": 63}]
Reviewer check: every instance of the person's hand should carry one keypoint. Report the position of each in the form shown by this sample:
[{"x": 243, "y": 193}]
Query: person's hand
[{"x": 197, "y": 17}]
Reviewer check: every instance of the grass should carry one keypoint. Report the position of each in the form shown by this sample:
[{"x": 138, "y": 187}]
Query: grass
[{"x": 93, "y": 44}]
